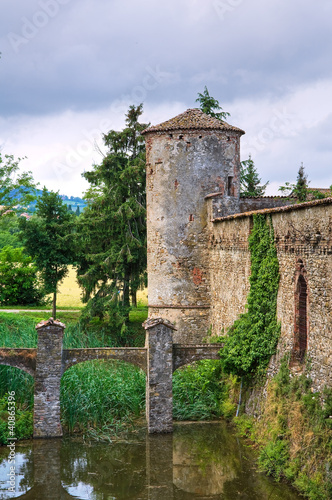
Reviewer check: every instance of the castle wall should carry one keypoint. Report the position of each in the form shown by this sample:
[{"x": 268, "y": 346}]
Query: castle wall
[
  {"x": 303, "y": 236},
  {"x": 260, "y": 202}
]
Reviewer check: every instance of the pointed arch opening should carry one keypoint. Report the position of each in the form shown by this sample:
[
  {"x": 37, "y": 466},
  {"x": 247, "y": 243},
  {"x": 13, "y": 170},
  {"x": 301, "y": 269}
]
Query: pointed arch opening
[{"x": 301, "y": 314}]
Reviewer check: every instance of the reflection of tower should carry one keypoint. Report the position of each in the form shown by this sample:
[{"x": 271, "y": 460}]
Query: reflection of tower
[{"x": 188, "y": 157}]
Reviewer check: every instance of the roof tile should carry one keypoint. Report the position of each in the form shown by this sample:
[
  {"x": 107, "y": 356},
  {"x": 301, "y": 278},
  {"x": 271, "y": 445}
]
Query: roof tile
[{"x": 192, "y": 119}]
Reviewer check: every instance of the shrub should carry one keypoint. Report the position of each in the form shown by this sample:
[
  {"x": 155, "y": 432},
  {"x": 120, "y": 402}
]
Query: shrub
[
  {"x": 198, "y": 391},
  {"x": 19, "y": 284}
]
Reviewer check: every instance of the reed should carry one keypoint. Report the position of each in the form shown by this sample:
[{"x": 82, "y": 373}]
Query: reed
[{"x": 99, "y": 394}]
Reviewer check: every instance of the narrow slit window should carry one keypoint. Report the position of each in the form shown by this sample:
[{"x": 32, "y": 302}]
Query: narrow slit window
[{"x": 230, "y": 186}]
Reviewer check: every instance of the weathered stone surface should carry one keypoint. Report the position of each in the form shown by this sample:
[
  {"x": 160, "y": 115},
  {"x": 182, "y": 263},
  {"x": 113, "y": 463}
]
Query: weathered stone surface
[
  {"x": 134, "y": 355},
  {"x": 24, "y": 359},
  {"x": 303, "y": 233},
  {"x": 47, "y": 380},
  {"x": 159, "y": 392},
  {"x": 184, "y": 166},
  {"x": 261, "y": 202},
  {"x": 187, "y": 354}
]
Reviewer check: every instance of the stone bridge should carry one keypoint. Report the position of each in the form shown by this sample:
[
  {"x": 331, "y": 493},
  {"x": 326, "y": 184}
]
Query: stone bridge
[{"x": 158, "y": 359}]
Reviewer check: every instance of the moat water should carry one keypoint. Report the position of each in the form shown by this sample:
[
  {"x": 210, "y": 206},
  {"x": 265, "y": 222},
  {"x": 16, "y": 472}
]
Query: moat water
[{"x": 198, "y": 461}]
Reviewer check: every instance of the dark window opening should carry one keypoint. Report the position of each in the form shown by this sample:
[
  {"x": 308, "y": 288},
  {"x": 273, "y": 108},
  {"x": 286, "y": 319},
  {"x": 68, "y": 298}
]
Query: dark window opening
[
  {"x": 181, "y": 136},
  {"x": 301, "y": 315},
  {"x": 230, "y": 191}
]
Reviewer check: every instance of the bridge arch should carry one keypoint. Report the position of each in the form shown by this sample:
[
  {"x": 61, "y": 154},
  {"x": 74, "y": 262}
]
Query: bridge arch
[
  {"x": 23, "y": 359},
  {"x": 132, "y": 355}
]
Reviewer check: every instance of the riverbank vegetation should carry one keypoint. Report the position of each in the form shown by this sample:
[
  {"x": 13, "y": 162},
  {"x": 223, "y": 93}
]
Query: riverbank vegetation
[{"x": 294, "y": 433}]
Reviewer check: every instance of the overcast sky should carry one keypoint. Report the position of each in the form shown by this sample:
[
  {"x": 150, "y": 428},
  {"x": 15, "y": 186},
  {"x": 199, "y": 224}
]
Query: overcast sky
[{"x": 70, "y": 69}]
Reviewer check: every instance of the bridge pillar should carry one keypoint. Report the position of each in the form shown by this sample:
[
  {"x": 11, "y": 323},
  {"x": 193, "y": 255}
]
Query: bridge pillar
[
  {"x": 159, "y": 395},
  {"x": 47, "y": 380}
]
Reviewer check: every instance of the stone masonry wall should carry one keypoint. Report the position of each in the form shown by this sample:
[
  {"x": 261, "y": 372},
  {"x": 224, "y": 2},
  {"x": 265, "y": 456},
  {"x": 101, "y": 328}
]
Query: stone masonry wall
[
  {"x": 303, "y": 236},
  {"x": 229, "y": 272},
  {"x": 182, "y": 168}
]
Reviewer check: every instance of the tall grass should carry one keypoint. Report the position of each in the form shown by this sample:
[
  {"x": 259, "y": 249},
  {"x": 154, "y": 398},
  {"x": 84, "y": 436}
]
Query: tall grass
[
  {"x": 199, "y": 391},
  {"x": 101, "y": 395},
  {"x": 17, "y": 331}
]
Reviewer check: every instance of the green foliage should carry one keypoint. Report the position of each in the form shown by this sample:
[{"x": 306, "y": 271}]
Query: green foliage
[
  {"x": 13, "y": 379},
  {"x": 209, "y": 105},
  {"x": 10, "y": 231},
  {"x": 294, "y": 433},
  {"x": 250, "y": 182},
  {"x": 273, "y": 458},
  {"x": 48, "y": 238},
  {"x": 101, "y": 394},
  {"x": 19, "y": 283},
  {"x": 299, "y": 189},
  {"x": 17, "y": 331},
  {"x": 23, "y": 421},
  {"x": 15, "y": 187},
  {"x": 198, "y": 391},
  {"x": 112, "y": 228},
  {"x": 253, "y": 338}
]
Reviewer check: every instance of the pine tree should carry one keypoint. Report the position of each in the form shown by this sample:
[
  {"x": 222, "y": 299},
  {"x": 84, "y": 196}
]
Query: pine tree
[
  {"x": 300, "y": 188},
  {"x": 250, "y": 181},
  {"x": 112, "y": 232},
  {"x": 209, "y": 105}
]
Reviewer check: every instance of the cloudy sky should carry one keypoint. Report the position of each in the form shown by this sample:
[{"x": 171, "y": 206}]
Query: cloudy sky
[{"x": 70, "y": 69}]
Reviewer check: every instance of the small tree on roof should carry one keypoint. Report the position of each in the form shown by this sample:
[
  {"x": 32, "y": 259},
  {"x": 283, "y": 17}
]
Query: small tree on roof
[
  {"x": 300, "y": 188},
  {"x": 209, "y": 105},
  {"x": 250, "y": 182}
]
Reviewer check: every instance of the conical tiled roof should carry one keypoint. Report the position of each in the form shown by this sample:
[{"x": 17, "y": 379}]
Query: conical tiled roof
[{"x": 192, "y": 119}]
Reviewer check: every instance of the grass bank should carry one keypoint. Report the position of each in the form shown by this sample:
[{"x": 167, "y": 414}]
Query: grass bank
[{"x": 293, "y": 434}]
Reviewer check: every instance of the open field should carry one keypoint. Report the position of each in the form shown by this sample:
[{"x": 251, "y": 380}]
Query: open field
[{"x": 70, "y": 293}]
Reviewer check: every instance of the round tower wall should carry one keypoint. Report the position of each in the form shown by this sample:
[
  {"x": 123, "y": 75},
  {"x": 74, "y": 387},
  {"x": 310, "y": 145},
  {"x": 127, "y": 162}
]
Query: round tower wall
[{"x": 183, "y": 168}]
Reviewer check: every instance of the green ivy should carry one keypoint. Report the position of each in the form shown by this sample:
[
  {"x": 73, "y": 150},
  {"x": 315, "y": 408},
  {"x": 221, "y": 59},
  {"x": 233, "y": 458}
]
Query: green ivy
[{"x": 253, "y": 337}]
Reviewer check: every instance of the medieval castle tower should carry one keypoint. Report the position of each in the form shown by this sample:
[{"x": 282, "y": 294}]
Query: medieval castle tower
[{"x": 189, "y": 158}]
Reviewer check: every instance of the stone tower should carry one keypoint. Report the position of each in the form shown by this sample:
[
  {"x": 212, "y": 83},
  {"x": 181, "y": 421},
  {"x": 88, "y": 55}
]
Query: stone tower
[{"x": 189, "y": 157}]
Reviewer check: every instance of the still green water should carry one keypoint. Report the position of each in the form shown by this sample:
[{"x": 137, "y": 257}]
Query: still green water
[{"x": 198, "y": 461}]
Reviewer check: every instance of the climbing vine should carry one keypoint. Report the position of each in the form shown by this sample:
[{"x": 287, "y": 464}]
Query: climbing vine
[{"x": 253, "y": 337}]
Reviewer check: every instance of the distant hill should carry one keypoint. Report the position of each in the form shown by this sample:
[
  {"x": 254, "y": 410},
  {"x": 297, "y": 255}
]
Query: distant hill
[{"x": 71, "y": 201}]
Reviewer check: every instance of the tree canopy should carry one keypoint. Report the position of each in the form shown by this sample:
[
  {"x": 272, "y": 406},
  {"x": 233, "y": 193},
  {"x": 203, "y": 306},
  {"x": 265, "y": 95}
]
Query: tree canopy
[
  {"x": 15, "y": 187},
  {"x": 48, "y": 239},
  {"x": 112, "y": 228},
  {"x": 298, "y": 189},
  {"x": 211, "y": 106},
  {"x": 250, "y": 182}
]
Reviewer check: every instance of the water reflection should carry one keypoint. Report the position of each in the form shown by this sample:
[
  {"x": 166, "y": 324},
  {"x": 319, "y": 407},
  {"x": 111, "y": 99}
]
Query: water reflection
[{"x": 199, "y": 461}]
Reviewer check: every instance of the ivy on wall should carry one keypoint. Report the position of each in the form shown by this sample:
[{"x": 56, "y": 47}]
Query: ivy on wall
[{"x": 253, "y": 337}]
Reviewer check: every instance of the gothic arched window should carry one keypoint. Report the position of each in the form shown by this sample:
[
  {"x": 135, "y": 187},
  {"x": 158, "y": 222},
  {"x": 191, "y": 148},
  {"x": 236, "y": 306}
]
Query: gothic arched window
[{"x": 301, "y": 313}]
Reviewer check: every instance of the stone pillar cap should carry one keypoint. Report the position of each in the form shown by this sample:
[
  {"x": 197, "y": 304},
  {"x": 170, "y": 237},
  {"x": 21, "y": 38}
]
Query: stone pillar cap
[
  {"x": 50, "y": 322},
  {"x": 151, "y": 322}
]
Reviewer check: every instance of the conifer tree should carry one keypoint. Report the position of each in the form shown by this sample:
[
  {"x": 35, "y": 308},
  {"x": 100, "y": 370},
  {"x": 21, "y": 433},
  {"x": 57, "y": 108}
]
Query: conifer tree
[
  {"x": 300, "y": 188},
  {"x": 112, "y": 228},
  {"x": 211, "y": 106},
  {"x": 250, "y": 182}
]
